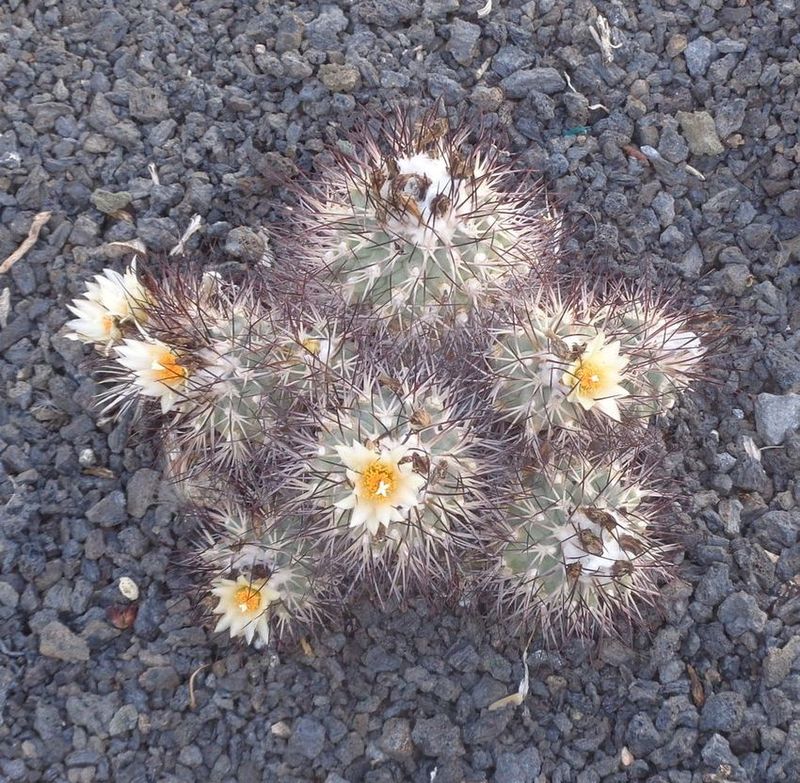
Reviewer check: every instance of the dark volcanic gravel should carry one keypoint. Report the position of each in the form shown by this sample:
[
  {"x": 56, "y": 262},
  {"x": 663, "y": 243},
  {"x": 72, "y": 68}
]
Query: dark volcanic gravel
[{"x": 222, "y": 95}]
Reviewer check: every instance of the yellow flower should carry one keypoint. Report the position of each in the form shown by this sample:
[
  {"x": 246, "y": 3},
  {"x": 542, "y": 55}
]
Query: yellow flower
[
  {"x": 384, "y": 483},
  {"x": 594, "y": 378},
  {"x": 245, "y": 607}
]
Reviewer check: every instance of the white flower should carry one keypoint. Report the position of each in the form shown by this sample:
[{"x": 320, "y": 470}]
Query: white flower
[
  {"x": 111, "y": 300},
  {"x": 245, "y": 607},
  {"x": 594, "y": 378},
  {"x": 384, "y": 483},
  {"x": 156, "y": 370}
]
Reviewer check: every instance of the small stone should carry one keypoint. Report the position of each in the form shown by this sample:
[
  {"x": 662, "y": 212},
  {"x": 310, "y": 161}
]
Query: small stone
[
  {"x": 547, "y": 80},
  {"x": 486, "y": 99},
  {"x": 148, "y": 104},
  {"x": 141, "y": 490},
  {"x": 739, "y": 613},
  {"x": 244, "y": 243},
  {"x": 676, "y": 44},
  {"x": 717, "y": 752},
  {"x": 776, "y": 415},
  {"x": 437, "y": 737},
  {"x": 700, "y": 133},
  {"x": 395, "y": 739},
  {"x": 779, "y": 662},
  {"x": 729, "y": 117},
  {"x": 523, "y": 767},
  {"x": 776, "y": 530},
  {"x": 671, "y": 145},
  {"x": 108, "y": 202},
  {"x": 323, "y": 31},
  {"x": 340, "y": 78},
  {"x": 722, "y": 712},
  {"x": 125, "y": 719},
  {"x": 108, "y": 511},
  {"x": 511, "y": 59},
  {"x": 290, "y": 34},
  {"x": 715, "y": 584},
  {"x": 308, "y": 738},
  {"x": 735, "y": 279},
  {"x": 463, "y": 42},
  {"x": 699, "y": 54},
  {"x": 8, "y": 595},
  {"x": 642, "y": 737},
  {"x": 281, "y": 729},
  {"x": 158, "y": 678},
  {"x": 57, "y": 641},
  {"x": 128, "y": 588}
]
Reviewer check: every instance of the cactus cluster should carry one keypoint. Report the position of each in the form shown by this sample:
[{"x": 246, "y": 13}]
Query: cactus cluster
[{"x": 414, "y": 401}]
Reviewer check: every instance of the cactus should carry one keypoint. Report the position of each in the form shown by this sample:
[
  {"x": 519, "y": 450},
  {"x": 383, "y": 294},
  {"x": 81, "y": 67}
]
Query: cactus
[
  {"x": 582, "y": 547},
  {"x": 420, "y": 230},
  {"x": 395, "y": 479},
  {"x": 365, "y": 411},
  {"x": 567, "y": 362},
  {"x": 265, "y": 576}
]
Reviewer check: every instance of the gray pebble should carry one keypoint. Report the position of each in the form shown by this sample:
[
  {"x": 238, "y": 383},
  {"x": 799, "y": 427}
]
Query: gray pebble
[
  {"x": 722, "y": 712},
  {"x": 308, "y": 737},
  {"x": 521, "y": 83},
  {"x": 739, "y": 613},
  {"x": 108, "y": 511},
  {"x": 699, "y": 54},
  {"x": 700, "y": 133},
  {"x": 522, "y": 767},
  {"x": 57, "y": 641},
  {"x": 141, "y": 490},
  {"x": 776, "y": 415},
  {"x": 437, "y": 737}
]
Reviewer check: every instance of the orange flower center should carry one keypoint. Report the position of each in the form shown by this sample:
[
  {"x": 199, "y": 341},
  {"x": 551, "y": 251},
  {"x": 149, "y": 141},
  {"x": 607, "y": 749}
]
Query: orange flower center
[
  {"x": 589, "y": 377},
  {"x": 168, "y": 370},
  {"x": 109, "y": 323},
  {"x": 311, "y": 345},
  {"x": 247, "y": 599},
  {"x": 378, "y": 480}
]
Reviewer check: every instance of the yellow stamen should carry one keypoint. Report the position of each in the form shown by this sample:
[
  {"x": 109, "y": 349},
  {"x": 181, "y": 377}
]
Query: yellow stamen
[
  {"x": 109, "y": 324},
  {"x": 247, "y": 599},
  {"x": 378, "y": 480},
  {"x": 311, "y": 345},
  {"x": 168, "y": 370},
  {"x": 589, "y": 376}
]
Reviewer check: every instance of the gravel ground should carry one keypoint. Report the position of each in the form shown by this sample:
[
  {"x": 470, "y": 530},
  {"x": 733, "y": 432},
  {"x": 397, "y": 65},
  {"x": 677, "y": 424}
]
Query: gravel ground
[{"x": 221, "y": 94}]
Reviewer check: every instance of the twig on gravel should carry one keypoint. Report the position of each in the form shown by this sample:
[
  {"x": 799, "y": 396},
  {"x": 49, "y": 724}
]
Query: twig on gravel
[
  {"x": 193, "y": 227},
  {"x": 151, "y": 167},
  {"x": 5, "y": 306},
  {"x": 515, "y": 699},
  {"x": 591, "y": 106},
  {"x": 486, "y": 10},
  {"x": 192, "y": 700},
  {"x": 33, "y": 234},
  {"x": 602, "y": 36}
]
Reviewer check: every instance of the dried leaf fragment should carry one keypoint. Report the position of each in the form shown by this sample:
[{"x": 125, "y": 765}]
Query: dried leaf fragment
[
  {"x": 122, "y": 617},
  {"x": 697, "y": 690},
  {"x": 39, "y": 221}
]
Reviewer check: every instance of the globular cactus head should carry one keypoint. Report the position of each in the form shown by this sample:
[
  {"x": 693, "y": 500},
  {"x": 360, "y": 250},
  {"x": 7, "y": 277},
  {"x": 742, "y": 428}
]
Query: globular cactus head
[
  {"x": 420, "y": 229},
  {"x": 231, "y": 365},
  {"x": 588, "y": 358},
  {"x": 262, "y": 574},
  {"x": 582, "y": 548},
  {"x": 396, "y": 480}
]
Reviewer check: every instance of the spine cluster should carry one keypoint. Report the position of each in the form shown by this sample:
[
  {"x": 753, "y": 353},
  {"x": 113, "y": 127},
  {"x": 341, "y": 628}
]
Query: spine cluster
[{"x": 413, "y": 400}]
